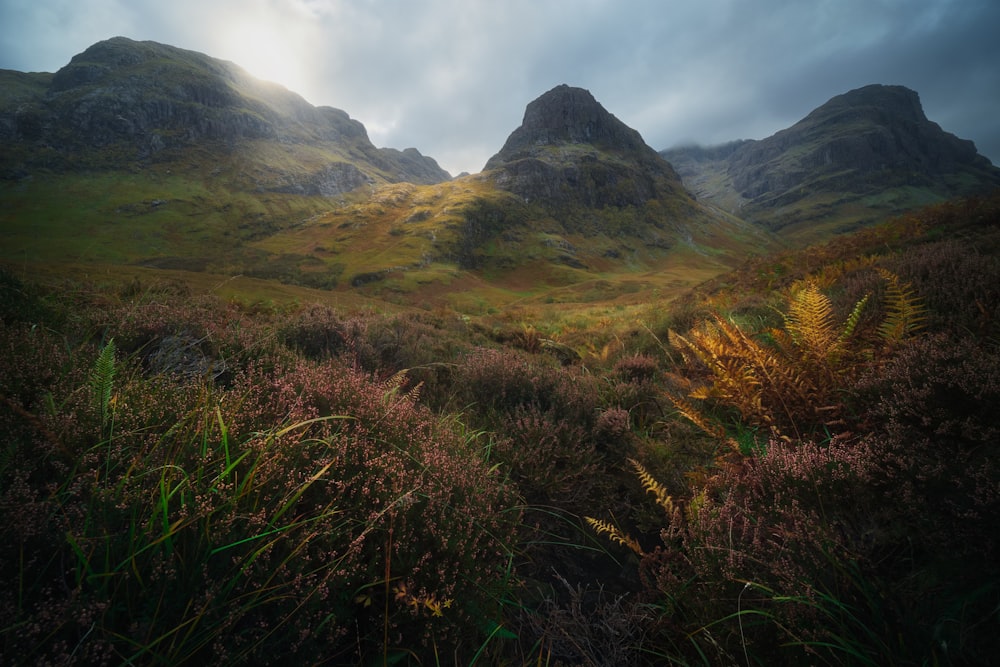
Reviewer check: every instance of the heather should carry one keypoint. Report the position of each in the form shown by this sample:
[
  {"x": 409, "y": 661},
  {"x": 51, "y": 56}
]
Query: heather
[{"x": 794, "y": 464}]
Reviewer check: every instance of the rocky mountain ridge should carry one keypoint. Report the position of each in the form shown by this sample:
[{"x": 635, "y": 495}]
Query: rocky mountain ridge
[
  {"x": 570, "y": 149},
  {"x": 861, "y": 156},
  {"x": 124, "y": 101}
]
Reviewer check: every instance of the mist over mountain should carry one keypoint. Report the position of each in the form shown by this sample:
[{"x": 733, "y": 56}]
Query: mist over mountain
[{"x": 865, "y": 154}]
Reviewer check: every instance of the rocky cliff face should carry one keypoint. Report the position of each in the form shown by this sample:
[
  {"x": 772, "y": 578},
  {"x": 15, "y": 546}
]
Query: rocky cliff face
[
  {"x": 870, "y": 150},
  {"x": 876, "y": 133},
  {"x": 566, "y": 115},
  {"x": 570, "y": 150},
  {"x": 126, "y": 100}
]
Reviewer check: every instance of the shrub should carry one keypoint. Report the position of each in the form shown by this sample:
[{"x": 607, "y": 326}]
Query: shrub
[
  {"x": 877, "y": 549},
  {"x": 316, "y": 332},
  {"x": 497, "y": 383},
  {"x": 959, "y": 283},
  {"x": 307, "y": 511},
  {"x": 633, "y": 385}
]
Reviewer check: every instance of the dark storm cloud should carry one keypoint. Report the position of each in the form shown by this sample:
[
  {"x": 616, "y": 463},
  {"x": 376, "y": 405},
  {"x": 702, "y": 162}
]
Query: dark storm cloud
[{"x": 452, "y": 77}]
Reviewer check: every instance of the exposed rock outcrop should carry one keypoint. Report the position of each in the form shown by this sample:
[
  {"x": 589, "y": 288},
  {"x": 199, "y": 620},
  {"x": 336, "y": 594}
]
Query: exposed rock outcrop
[
  {"x": 567, "y": 115},
  {"x": 570, "y": 150}
]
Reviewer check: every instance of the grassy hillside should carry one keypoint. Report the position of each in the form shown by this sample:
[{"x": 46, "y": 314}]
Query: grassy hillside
[{"x": 462, "y": 244}]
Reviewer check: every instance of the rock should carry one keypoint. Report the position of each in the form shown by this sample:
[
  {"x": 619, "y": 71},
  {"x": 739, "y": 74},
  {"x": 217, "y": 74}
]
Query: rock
[
  {"x": 569, "y": 150},
  {"x": 566, "y": 115}
]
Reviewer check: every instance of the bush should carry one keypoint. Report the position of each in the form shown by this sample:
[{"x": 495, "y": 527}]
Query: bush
[
  {"x": 307, "y": 511},
  {"x": 879, "y": 548}
]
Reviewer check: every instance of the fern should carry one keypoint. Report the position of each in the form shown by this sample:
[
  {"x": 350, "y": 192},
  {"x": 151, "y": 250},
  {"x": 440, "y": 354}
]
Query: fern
[
  {"x": 615, "y": 535},
  {"x": 695, "y": 417},
  {"x": 102, "y": 377},
  {"x": 663, "y": 499},
  {"x": 809, "y": 321},
  {"x": 783, "y": 384},
  {"x": 852, "y": 320},
  {"x": 809, "y": 324},
  {"x": 904, "y": 313}
]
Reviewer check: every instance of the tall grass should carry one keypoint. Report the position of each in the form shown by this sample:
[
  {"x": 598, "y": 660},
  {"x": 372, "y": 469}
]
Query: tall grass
[{"x": 310, "y": 512}]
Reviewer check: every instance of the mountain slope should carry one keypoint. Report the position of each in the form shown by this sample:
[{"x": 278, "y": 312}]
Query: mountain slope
[
  {"x": 578, "y": 170},
  {"x": 122, "y": 103},
  {"x": 860, "y": 157},
  {"x": 138, "y": 153},
  {"x": 575, "y": 199}
]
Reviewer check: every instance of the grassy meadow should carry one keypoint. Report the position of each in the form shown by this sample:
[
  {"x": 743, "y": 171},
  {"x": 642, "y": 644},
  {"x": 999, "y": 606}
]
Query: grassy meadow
[{"x": 791, "y": 462}]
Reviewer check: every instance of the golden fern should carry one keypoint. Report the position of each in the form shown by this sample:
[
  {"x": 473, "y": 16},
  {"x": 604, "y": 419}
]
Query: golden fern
[
  {"x": 615, "y": 535},
  {"x": 768, "y": 383},
  {"x": 791, "y": 380},
  {"x": 727, "y": 355},
  {"x": 810, "y": 321},
  {"x": 695, "y": 417},
  {"x": 771, "y": 386},
  {"x": 810, "y": 324},
  {"x": 396, "y": 390},
  {"x": 904, "y": 313},
  {"x": 663, "y": 499}
]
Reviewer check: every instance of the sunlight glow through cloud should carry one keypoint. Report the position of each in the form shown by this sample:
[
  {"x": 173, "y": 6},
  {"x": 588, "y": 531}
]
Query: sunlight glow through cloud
[{"x": 267, "y": 52}]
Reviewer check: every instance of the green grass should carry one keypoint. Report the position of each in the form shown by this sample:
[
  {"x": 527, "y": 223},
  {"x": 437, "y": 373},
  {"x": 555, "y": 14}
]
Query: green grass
[{"x": 209, "y": 212}]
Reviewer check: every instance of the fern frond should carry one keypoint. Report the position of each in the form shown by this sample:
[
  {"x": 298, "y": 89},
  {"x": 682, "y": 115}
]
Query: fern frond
[
  {"x": 663, "y": 499},
  {"x": 810, "y": 321},
  {"x": 905, "y": 313},
  {"x": 852, "y": 320},
  {"x": 396, "y": 388},
  {"x": 695, "y": 417},
  {"x": 684, "y": 346},
  {"x": 102, "y": 377},
  {"x": 615, "y": 535}
]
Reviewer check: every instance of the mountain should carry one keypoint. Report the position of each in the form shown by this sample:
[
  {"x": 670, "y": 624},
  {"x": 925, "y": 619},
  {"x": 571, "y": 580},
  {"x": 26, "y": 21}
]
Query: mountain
[
  {"x": 574, "y": 201},
  {"x": 864, "y": 155},
  {"x": 126, "y": 103},
  {"x": 139, "y": 154},
  {"x": 150, "y": 158},
  {"x": 577, "y": 171},
  {"x": 570, "y": 149}
]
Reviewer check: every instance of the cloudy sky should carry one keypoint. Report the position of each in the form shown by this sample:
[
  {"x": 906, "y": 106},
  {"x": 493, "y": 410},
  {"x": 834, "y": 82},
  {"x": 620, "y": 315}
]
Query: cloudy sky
[{"x": 452, "y": 77}]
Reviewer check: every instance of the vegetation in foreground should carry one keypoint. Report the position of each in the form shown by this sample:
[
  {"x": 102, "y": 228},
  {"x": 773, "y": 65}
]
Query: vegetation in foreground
[{"x": 794, "y": 464}]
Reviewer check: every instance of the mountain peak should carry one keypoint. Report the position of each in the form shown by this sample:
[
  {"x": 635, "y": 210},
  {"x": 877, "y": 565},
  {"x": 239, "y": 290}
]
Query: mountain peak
[
  {"x": 570, "y": 150},
  {"x": 898, "y": 102},
  {"x": 877, "y": 132},
  {"x": 861, "y": 156},
  {"x": 567, "y": 115},
  {"x": 147, "y": 102}
]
